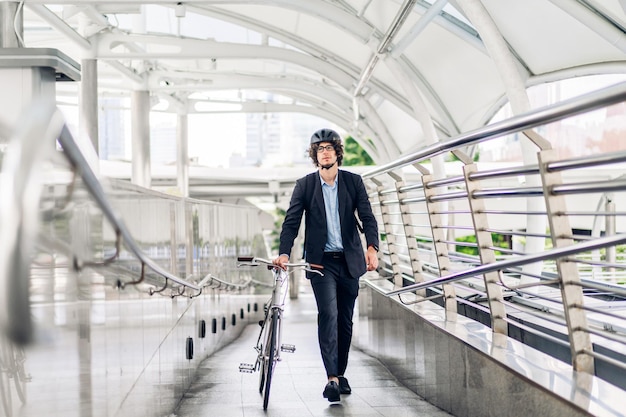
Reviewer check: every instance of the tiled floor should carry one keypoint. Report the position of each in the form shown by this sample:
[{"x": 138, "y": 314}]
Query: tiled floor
[{"x": 220, "y": 390}]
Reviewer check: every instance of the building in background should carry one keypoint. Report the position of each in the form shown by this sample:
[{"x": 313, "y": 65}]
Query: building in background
[
  {"x": 280, "y": 139},
  {"x": 163, "y": 139},
  {"x": 593, "y": 132},
  {"x": 112, "y": 127}
]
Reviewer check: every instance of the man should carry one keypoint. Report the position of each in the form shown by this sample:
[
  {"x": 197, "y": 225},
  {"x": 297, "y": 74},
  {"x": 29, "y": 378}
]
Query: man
[{"x": 330, "y": 197}]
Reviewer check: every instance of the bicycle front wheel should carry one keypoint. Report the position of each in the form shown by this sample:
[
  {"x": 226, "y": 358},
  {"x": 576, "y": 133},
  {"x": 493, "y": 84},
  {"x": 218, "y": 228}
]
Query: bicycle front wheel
[{"x": 271, "y": 357}]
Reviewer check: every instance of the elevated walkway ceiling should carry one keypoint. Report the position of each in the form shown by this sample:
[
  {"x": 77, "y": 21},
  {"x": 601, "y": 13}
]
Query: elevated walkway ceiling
[{"x": 370, "y": 67}]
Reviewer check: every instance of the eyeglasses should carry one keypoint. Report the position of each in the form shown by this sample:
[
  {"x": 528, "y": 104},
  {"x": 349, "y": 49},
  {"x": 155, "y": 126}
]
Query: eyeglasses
[{"x": 325, "y": 148}]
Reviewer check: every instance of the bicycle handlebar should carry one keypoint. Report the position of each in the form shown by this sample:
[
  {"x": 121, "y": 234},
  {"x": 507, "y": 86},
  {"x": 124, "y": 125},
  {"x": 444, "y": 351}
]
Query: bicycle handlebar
[{"x": 253, "y": 261}]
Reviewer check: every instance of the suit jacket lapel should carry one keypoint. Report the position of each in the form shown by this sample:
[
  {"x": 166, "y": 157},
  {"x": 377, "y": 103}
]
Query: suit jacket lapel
[
  {"x": 318, "y": 197},
  {"x": 342, "y": 196}
]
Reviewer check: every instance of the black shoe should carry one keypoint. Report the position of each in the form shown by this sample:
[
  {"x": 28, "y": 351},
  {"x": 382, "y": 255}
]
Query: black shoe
[
  {"x": 344, "y": 387},
  {"x": 331, "y": 391}
]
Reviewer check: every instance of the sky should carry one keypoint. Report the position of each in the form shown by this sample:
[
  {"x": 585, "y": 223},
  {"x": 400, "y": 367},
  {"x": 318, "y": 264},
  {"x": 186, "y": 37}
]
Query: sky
[{"x": 214, "y": 138}]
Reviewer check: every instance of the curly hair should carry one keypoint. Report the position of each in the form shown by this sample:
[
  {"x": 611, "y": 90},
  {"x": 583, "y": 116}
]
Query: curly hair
[{"x": 338, "y": 151}]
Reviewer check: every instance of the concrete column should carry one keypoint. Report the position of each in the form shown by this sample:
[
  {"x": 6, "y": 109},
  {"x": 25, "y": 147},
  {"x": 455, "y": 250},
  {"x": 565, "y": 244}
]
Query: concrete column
[
  {"x": 20, "y": 87},
  {"x": 182, "y": 155},
  {"x": 89, "y": 102},
  {"x": 23, "y": 83},
  {"x": 140, "y": 120},
  {"x": 11, "y": 31}
]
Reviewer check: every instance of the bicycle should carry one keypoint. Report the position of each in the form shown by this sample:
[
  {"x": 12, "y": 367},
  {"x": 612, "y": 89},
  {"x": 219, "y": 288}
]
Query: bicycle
[{"x": 268, "y": 345}]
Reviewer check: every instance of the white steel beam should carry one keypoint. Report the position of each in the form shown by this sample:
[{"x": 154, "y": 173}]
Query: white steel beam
[
  {"x": 118, "y": 45},
  {"x": 60, "y": 25}
]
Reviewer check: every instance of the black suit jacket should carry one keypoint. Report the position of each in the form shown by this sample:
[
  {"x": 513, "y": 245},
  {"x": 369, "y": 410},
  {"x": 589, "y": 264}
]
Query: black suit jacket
[{"x": 307, "y": 198}]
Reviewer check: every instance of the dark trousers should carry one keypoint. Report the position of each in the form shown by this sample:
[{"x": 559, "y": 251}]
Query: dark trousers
[{"x": 335, "y": 295}]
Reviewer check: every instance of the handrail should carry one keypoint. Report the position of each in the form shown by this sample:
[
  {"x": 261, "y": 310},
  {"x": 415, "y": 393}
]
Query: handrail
[
  {"x": 20, "y": 191},
  {"x": 209, "y": 279},
  {"x": 510, "y": 263},
  {"x": 568, "y": 108},
  {"x": 92, "y": 183}
]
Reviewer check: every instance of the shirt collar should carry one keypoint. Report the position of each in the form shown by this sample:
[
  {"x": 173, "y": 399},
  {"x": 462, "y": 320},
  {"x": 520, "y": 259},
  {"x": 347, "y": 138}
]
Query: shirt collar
[{"x": 322, "y": 179}]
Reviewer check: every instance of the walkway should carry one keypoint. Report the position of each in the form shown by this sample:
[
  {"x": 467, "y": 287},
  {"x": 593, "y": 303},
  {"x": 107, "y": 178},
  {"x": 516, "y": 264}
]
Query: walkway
[{"x": 220, "y": 390}]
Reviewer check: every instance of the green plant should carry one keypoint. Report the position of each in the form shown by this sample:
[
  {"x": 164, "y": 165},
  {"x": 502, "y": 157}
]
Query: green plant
[
  {"x": 499, "y": 240},
  {"x": 278, "y": 223},
  {"x": 354, "y": 154}
]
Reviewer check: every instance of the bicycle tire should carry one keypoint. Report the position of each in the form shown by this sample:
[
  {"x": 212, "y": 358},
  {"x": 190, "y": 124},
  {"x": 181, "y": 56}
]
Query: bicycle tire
[
  {"x": 20, "y": 388},
  {"x": 20, "y": 374},
  {"x": 271, "y": 358}
]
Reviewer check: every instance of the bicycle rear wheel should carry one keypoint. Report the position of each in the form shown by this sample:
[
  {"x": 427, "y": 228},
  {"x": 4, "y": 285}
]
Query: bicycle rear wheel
[{"x": 271, "y": 358}]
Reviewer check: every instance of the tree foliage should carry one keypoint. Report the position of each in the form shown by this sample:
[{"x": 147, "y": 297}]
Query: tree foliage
[
  {"x": 354, "y": 154},
  {"x": 275, "y": 233}
]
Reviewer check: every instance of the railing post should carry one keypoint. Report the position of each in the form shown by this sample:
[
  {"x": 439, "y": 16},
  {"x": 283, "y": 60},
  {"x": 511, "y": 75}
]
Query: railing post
[
  {"x": 571, "y": 289},
  {"x": 610, "y": 230},
  {"x": 390, "y": 234},
  {"x": 189, "y": 244},
  {"x": 409, "y": 233},
  {"x": 371, "y": 192},
  {"x": 487, "y": 255},
  {"x": 439, "y": 239},
  {"x": 173, "y": 240}
]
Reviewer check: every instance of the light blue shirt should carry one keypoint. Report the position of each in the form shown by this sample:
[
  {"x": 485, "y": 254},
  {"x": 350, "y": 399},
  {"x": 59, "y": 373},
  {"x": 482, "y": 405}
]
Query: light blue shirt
[{"x": 331, "y": 205}]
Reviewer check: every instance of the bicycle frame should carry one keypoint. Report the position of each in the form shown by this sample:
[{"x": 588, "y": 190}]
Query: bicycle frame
[{"x": 275, "y": 306}]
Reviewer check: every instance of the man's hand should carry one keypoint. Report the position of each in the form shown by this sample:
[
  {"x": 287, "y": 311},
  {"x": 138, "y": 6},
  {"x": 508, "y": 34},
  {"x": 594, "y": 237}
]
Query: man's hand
[
  {"x": 281, "y": 261},
  {"x": 371, "y": 258}
]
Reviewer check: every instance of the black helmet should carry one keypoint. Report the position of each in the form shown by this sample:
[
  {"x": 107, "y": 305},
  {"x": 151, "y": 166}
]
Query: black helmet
[{"x": 325, "y": 135}]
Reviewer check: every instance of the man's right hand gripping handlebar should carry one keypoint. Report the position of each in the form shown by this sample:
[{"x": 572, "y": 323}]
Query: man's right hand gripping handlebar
[{"x": 282, "y": 262}]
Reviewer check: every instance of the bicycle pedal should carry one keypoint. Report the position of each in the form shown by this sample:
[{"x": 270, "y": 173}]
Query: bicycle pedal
[
  {"x": 288, "y": 348},
  {"x": 246, "y": 367}
]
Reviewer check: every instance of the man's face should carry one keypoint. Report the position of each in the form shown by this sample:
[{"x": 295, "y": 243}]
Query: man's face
[{"x": 326, "y": 153}]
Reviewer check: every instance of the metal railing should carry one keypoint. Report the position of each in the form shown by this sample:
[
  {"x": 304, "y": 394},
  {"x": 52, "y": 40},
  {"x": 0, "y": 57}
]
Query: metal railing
[
  {"x": 24, "y": 166},
  {"x": 542, "y": 240},
  {"x": 81, "y": 167}
]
